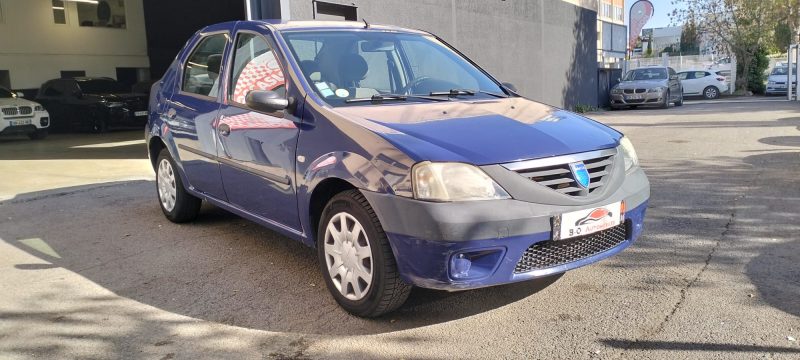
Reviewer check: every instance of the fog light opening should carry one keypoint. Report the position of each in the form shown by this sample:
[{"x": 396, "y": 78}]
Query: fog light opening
[{"x": 476, "y": 264}]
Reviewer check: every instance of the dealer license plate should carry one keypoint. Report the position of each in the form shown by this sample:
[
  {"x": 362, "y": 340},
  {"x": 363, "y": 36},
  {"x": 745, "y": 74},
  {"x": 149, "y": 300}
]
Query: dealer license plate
[
  {"x": 140, "y": 113},
  {"x": 20, "y": 122},
  {"x": 587, "y": 221}
]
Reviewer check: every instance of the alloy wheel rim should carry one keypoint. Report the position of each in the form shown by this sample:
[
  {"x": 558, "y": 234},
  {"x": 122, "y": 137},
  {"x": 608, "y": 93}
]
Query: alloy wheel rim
[
  {"x": 711, "y": 93},
  {"x": 348, "y": 256},
  {"x": 167, "y": 187}
]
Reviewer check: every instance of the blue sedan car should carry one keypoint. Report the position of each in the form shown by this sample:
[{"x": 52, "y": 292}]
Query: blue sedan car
[{"x": 400, "y": 160}]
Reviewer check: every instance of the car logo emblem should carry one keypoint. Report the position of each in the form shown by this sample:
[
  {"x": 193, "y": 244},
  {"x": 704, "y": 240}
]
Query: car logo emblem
[{"x": 580, "y": 173}]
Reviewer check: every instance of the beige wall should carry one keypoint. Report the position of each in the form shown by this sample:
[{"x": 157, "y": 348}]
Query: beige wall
[{"x": 35, "y": 49}]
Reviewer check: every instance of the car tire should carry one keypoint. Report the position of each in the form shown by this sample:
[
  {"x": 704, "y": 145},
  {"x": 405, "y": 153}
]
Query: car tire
[
  {"x": 38, "y": 134},
  {"x": 177, "y": 204},
  {"x": 711, "y": 92},
  {"x": 679, "y": 102},
  {"x": 359, "y": 234},
  {"x": 665, "y": 104}
]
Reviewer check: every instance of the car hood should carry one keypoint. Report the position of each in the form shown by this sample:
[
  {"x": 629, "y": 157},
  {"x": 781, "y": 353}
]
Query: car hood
[
  {"x": 780, "y": 78},
  {"x": 482, "y": 132},
  {"x": 16, "y": 102},
  {"x": 641, "y": 84}
]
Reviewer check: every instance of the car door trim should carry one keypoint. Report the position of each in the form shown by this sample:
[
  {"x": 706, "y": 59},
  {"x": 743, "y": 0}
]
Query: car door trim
[{"x": 263, "y": 174}]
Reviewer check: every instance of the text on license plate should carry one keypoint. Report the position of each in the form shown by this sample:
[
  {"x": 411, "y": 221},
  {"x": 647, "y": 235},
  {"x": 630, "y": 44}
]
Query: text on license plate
[
  {"x": 140, "y": 113},
  {"x": 634, "y": 97},
  {"x": 587, "y": 221},
  {"x": 20, "y": 122}
]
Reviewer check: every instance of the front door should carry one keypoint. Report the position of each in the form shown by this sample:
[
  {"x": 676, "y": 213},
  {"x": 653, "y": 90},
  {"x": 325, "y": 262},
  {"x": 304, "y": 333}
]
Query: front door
[
  {"x": 192, "y": 112},
  {"x": 257, "y": 150}
]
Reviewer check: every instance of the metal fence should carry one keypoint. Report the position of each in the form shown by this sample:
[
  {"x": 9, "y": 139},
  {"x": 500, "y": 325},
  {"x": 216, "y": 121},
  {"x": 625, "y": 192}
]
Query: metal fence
[{"x": 725, "y": 66}]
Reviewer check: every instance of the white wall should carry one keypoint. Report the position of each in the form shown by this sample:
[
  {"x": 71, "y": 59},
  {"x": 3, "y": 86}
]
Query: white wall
[{"x": 35, "y": 49}]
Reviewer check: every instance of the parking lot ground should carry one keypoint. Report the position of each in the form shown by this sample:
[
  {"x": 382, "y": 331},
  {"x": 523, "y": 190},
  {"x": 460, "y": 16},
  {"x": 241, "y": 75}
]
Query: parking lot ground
[{"x": 97, "y": 272}]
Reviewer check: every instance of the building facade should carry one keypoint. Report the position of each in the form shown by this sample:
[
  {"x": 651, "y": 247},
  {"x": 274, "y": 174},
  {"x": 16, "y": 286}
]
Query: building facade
[
  {"x": 47, "y": 39},
  {"x": 612, "y": 34},
  {"x": 547, "y": 48}
]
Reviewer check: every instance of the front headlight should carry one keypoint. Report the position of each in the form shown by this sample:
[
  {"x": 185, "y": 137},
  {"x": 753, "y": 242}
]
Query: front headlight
[
  {"x": 628, "y": 153},
  {"x": 616, "y": 91},
  {"x": 655, "y": 90},
  {"x": 38, "y": 108},
  {"x": 453, "y": 182}
]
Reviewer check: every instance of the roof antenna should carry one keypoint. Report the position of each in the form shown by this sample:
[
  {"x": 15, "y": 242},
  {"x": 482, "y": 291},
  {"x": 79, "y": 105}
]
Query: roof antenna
[{"x": 366, "y": 24}]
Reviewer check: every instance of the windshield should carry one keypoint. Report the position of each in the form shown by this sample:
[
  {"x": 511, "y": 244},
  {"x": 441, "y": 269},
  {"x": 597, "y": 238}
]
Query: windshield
[
  {"x": 646, "y": 74},
  {"x": 345, "y": 65},
  {"x": 100, "y": 86},
  {"x": 5, "y": 93},
  {"x": 783, "y": 70}
]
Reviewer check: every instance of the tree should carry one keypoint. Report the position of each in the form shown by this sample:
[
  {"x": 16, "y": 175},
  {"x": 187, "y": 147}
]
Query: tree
[
  {"x": 783, "y": 36},
  {"x": 690, "y": 39},
  {"x": 649, "y": 51},
  {"x": 740, "y": 27}
]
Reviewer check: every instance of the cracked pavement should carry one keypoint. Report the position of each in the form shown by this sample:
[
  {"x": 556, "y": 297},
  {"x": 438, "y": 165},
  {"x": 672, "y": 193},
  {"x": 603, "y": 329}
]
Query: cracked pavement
[{"x": 91, "y": 269}]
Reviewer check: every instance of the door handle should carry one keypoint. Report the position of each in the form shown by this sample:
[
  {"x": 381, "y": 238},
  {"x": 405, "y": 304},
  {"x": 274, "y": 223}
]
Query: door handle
[{"x": 224, "y": 129}]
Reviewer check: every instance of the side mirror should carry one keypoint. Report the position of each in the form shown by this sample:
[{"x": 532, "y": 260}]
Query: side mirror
[
  {"x": 19, "y": 94},
  {"x": 673, "y": 77},
  {"x": 619, "y": 80},
  {"x": 266, "y": 101},
  {"x": 511, "y": 87}
]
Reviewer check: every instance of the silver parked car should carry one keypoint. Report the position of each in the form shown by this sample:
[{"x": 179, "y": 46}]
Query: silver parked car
[{"x": 655, "y": 85}]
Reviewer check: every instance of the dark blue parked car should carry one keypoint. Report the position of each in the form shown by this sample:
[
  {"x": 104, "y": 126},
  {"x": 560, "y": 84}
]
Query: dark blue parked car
[{"x": 399, "y": 159}]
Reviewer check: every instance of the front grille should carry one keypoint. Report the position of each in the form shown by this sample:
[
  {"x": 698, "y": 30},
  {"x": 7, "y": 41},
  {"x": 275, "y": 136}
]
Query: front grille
[
  {"x": 10, "y": 111},
  {"x": 560, "y": 178},
  {"x": 25, "y": 110},
  {"x": 633, "y": 91},
  {"x": 548, "y": 254}
]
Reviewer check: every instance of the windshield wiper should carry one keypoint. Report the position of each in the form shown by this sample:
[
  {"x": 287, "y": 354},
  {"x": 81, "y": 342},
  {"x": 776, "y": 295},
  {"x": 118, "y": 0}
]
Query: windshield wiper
[
  {"x": 391, "y": 97},
  {"x": 457, "y": 92}
]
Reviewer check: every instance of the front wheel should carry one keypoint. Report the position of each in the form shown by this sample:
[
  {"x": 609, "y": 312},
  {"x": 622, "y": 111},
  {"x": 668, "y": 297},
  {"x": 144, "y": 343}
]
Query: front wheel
[
  {"x": 177, "y": 204},
  {"x": 666, "y": 102},
  {"x": 356, "y": 259},
  {"x": 679, "y": 102}
]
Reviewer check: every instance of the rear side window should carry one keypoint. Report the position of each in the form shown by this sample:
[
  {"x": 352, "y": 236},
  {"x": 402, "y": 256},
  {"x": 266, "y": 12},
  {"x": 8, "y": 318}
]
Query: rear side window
[
  {"x": 700, "y": 74},
  {"x": 255, "y": 67},
  {"x": 683, "y": 75},
  {"x": 201, "y": 71}
]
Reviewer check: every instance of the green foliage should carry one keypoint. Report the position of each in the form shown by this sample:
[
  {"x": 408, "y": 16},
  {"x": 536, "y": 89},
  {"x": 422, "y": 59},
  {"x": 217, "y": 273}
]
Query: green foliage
[
  {"x": 649, "y": 51},
  {"x": 756, "y": 71},
  {"x": 690, "y": 39},
  {"x": 583, "y": 108},
  {"x": 782, "y": 37}
]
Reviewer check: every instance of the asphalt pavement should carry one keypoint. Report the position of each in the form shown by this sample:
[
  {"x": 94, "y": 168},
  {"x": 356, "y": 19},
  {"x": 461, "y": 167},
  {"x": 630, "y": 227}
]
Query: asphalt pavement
[{"x": 91, "y": 268}]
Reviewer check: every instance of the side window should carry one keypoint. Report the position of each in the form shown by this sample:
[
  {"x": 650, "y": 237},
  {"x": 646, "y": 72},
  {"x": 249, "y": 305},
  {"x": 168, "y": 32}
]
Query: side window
[
  {"x": 703, "y": 74},
  {"x": 255, "y": 67},
  {"x": 683, "y": 75},
  {"x": 201, "y": 71}
]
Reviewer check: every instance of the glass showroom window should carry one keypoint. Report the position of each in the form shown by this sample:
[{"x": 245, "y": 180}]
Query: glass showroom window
[
  {"x": 102, "y": 13},
  {"x": 59, "y": 14}
]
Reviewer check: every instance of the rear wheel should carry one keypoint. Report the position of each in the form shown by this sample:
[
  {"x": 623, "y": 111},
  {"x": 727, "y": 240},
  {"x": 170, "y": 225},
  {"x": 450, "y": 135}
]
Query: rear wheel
[
  {"x": 177, "y": 204},
  {"x": 356, "y": 259},
  {"x": 711, "y": 92}
]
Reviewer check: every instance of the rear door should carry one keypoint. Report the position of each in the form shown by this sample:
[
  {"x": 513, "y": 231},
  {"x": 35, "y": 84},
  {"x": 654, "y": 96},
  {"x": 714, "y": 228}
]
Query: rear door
[
  {"x": 689, "y": 82},
  {"x": 257, "y": 149},
  {"x": 192, "y": 113}
]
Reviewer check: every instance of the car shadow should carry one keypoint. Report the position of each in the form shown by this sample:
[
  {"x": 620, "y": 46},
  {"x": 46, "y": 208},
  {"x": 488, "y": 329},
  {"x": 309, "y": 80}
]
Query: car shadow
[
  {"x": 111, "y": 145},
  {"x": 220, "y": 268}
]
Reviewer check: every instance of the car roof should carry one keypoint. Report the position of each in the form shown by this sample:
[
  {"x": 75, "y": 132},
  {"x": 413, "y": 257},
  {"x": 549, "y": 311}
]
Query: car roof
[{"x": 292, "y": 25}]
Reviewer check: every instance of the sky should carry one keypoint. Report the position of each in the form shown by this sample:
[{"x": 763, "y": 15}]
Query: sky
[{"x": 661, "y": 8}]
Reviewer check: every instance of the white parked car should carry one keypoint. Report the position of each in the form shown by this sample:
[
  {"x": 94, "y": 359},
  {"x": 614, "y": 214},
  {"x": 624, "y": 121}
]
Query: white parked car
[
  {"x": 709, "y": 84},
  {"x": 20, "y": 116},
  {"x": 778, "y": 77}
]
